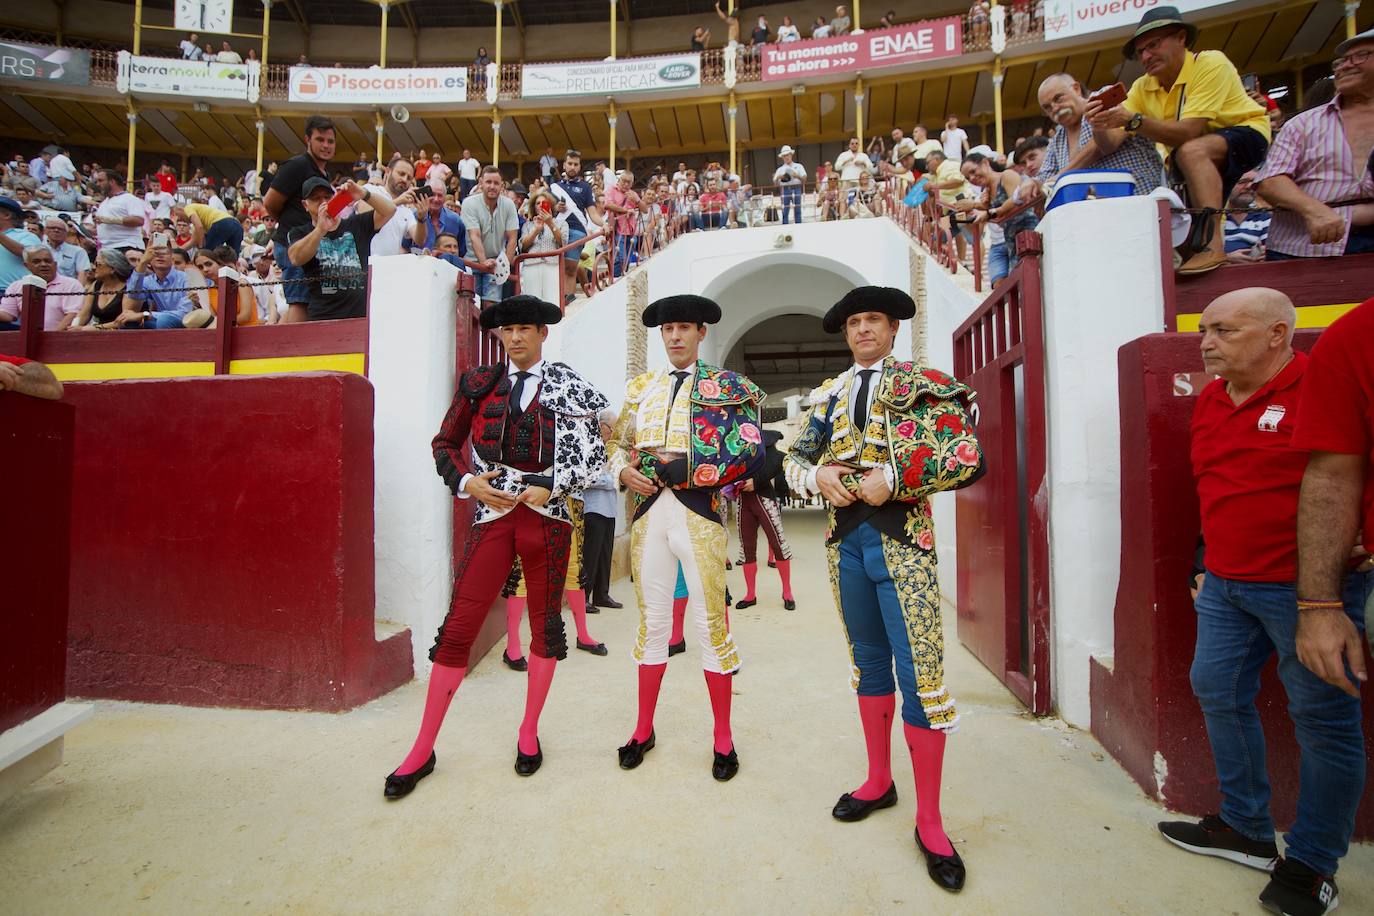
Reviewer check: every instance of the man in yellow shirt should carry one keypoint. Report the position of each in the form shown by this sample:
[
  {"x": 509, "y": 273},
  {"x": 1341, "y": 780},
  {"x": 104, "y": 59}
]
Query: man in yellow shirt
[
  {"x": 1192, "y": 104},
  {"x": 943, "y": 175},
  {"x": 211, "y": 228}
]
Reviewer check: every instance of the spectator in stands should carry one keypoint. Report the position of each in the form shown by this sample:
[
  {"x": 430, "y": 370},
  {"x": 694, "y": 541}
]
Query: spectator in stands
[
  {"x": 403, "y": 229},
  {"x": 25, "y": 376},
  {"x": 155, "y": 295},
  {"x": 731, "y": 25},
  {"x": 228, "y": 55},
  {"x": 268, "y": 298},
  {"x": 1020, "y": 19},
  {"x": 1249, "y": 473},
  {"x": 791, "y": 178},
  {"x": 758, "y": 37},
  {"x": 14, "y": 240},
  {"x": 623, "y": 203},
  {"x": 104, "y": 299},
  {"x": 17, "y": 176},
  {"x": 208, "y": 52},
  {"x": 1029, "y": 156},
  {"x": 38, "y": 165},
  {"x": 211, "y": 228},
  {"x": 858, "y": 200},
  {"x": 422, "y": 164},
  {"x": 438, "y": 220},
  {"x": 820, "y": 28},
  {"x": 1322, "y": 156},
  {"x": 72, "y": 260},
  {"x": 954, "y": 140},
  {"x": 852, "y": 163},
  {"x": 542, "y": 232},
  {"x": 788, "y": 31},
  {"x": 438, "y": 174},
  {"x": 209, "y": 262},
  {"x": 331, "y": 247},
  {"x": 479, "y": 66},
  {"x": 284, "y": 203},
  {"x": 888, "y": 20},
  {"x": 469, "y": 170},
  {"x": 1075, "y": 145},
  {"x": 999, "y": 202},
  {"x": 700, "y": 37},
  {"x": 1194, "y": 105},
  {"x": 492, "y": 226},
  {"x": 713, "y": 205},
  {"x": 980, "y": 27},
  {"x": 576, "y": 209},
  {"x": 840, "y": 25},
  {"x": 61, "y": 165},
  {"x": 944, "y": 175},
  {"x": 548, "y": 165},
  {"x": 119, "y": 218},
  {"x": 190, "y": 47},
  {"x": 1247, "y": 229},
  {"x": 63, "y": 294},
  {"x": 925, "y": 144}
]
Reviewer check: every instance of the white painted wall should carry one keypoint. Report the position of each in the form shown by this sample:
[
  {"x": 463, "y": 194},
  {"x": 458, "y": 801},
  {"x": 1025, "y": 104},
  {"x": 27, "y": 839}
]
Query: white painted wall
[
  {"x": 1102, "y": 289},
  {"x": 411, "y": 366}
]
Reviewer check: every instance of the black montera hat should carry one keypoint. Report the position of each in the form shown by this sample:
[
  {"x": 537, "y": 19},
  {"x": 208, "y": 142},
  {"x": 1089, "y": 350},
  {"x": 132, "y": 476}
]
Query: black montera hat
[
  {"x": 521, "y": 309},
  {"x": 885, "y": 299},
  {"x": 685, "y": 307}
]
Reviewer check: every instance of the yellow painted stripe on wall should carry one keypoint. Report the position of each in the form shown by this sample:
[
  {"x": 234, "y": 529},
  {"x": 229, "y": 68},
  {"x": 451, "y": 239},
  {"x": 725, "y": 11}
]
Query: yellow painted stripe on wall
[
  {"x": 1309, "y": 316},
  {"x": 328, "y": 362},
  {"x": 103, "y": 372}
]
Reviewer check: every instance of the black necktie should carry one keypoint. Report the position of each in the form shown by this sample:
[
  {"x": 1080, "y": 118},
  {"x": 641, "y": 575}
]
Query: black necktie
[
  {"x": 681, "y": 376},
  {"x": 517, "y": 395},
  {"x": 861, "y": 402}
]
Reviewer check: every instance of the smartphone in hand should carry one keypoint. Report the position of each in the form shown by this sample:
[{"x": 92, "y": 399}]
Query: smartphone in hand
[
  {"x": 338, "y": 202},
  {"x": 1110, "y": 96}
]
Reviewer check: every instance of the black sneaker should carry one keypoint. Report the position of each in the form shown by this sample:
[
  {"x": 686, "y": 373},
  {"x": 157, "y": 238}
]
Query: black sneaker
[
  {"x": 1296, "y": 890},
  {"x": 1212, "y": 836}
]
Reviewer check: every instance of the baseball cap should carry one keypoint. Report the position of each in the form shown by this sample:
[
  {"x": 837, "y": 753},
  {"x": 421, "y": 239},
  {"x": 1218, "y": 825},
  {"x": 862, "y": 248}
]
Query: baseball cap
[{"x": 313, "y": 184}]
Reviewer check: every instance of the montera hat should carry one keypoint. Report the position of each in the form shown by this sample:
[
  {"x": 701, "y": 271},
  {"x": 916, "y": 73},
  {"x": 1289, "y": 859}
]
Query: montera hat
[
  {"x": 685, "y": 307},
  {"x": 521, "y": 309},
  {"x": 891, "y": 302},
  {"x": 1161, "y": 17}
]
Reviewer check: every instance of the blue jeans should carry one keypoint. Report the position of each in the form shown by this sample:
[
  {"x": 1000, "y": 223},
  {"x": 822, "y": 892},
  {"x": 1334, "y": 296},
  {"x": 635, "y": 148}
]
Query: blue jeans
[
  {"x": 573, "y": 234},
  {"x": 873, "y": 619},
  {"x": 791, "y": 197},
  {"x": 157, "y": 321},
  {"x": 998, "y": 268},
  {"x": 1240, "y": 625},
  {"x": 488, "y": 290},
  {"x": 625, "y": 246},
  {"x": 293, "y": 288}
]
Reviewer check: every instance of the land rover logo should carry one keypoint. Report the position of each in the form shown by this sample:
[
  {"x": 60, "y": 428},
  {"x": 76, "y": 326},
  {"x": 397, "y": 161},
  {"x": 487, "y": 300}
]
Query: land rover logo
[{"x": 677, "y": 72}]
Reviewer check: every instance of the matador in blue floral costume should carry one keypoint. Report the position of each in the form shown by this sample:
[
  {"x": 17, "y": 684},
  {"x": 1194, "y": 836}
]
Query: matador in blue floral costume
[
  {"x": 880, "y": 439},
  {"x": 685, "y": 433}
]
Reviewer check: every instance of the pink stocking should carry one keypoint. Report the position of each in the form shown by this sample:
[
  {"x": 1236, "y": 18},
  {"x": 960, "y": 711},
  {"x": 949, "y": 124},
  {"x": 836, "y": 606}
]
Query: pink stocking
[
  {"x": 536, "y": 692},
  {"x": 515, "y": 609},
  {"x": 650, "y": 679},
  {"x": 876, "y": 715},
  {"x": 578, "y": 602},
  {"x": 927, "y": 759},
  {"x": 443, "y": 684},
  {"x": 785, "y": 574},
  {"x": 751, "y": 574},
  {"x": 718, "y": 685},
  {"x": 679, "y": 613}
]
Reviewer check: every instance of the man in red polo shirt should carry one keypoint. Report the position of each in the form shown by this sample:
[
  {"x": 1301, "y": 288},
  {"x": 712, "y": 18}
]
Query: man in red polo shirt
[
  {"x": 1248, "y": 477},
  {"x": 1337, "y": 424},
  {"x": 25, "y": 376}
]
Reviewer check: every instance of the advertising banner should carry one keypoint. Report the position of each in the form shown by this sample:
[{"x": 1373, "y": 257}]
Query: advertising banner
[
  {"x": 44, "y": 64},
  {"x": 197, "y": 78},
  {"x": 611, "y": 77},
  {"x": 1068, "y": 18},
  {"x": 905, "y": 44},
  {"x": 204, "y": 16},
  {"x": 378, "y": 85}
]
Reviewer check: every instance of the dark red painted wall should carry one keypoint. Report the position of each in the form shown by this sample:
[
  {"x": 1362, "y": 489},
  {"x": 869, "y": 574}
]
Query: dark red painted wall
[
  {"x": 222, "y": 547},
  {"x": 36, "y": 453},
  {"x": 1145, "y": 703}
]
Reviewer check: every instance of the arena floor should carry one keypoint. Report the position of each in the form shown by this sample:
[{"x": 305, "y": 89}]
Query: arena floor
[{"x": 164, "y": 809}]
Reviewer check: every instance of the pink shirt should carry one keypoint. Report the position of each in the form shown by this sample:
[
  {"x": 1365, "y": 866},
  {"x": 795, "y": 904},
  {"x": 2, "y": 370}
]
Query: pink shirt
[
  {"x": 1312, "y": 149},
  {"x": 437, "y": 175},
  {"x": 55, "y": 307},
  {"x": 625, "y": 223}
]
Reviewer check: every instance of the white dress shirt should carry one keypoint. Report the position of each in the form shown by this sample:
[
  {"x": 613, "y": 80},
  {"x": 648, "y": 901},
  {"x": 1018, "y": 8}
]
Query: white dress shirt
[
  {"x": 854, "y": 381},
  {"x": 536, "y": 378}
]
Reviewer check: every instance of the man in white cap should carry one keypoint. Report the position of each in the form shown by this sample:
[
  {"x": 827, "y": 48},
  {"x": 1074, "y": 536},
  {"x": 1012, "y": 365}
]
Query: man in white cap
[
  {"x": 791, "y": 177},
  {"x": 1323, "y": 156}
]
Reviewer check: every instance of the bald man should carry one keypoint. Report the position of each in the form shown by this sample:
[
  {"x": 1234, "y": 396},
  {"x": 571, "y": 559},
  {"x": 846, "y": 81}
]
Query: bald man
[
  {"x": 1074, "y": 144},
  {"x": 1248, "y": 478}
]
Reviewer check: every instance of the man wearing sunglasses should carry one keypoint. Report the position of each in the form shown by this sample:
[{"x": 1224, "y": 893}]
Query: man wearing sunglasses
[{"x": 1321, "y": 158}]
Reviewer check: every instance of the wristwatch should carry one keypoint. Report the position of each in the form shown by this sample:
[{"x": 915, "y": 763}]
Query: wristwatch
[
  {"x": 1133, "y": 125},
  {"x": 367, "y": 194}
]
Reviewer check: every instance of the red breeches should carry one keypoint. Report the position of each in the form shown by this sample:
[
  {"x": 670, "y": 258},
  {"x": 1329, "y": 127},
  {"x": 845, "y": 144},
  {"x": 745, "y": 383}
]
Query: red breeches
[{"x": 542, "y": 544}]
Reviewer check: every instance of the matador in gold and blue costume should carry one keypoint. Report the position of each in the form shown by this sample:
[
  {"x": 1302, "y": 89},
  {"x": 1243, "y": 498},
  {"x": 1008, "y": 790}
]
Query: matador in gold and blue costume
[
  {"x": 685, "y": 433},
  {"x": 883, "y": 436}
]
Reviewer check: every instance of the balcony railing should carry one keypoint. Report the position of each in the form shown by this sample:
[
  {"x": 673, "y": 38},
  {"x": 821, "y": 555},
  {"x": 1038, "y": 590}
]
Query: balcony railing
[{"x": 276, "y": 76}]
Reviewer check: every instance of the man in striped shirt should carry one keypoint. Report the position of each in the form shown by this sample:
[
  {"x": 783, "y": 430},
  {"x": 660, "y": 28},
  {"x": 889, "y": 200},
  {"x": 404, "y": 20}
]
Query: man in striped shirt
[{"x": 1322, "y": 157}]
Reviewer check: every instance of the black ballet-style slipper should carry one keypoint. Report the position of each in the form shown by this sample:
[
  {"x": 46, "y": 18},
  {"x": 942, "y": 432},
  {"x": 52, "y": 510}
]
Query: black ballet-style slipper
[
  {"x": 528, "y": 764},
  {"x": 725, "y": 766},
  {"x": 515, "y": 664},
  {"x": 677, "y": 648},
  {"x": 632, "y": 753},
  {"x": 849, "y": 808},
  {"x": 745, "y": 603},
  {"x": 946, "y": 871},
  {"x": 401, "y": 786},
  {"x": 595, "y": 648}
]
